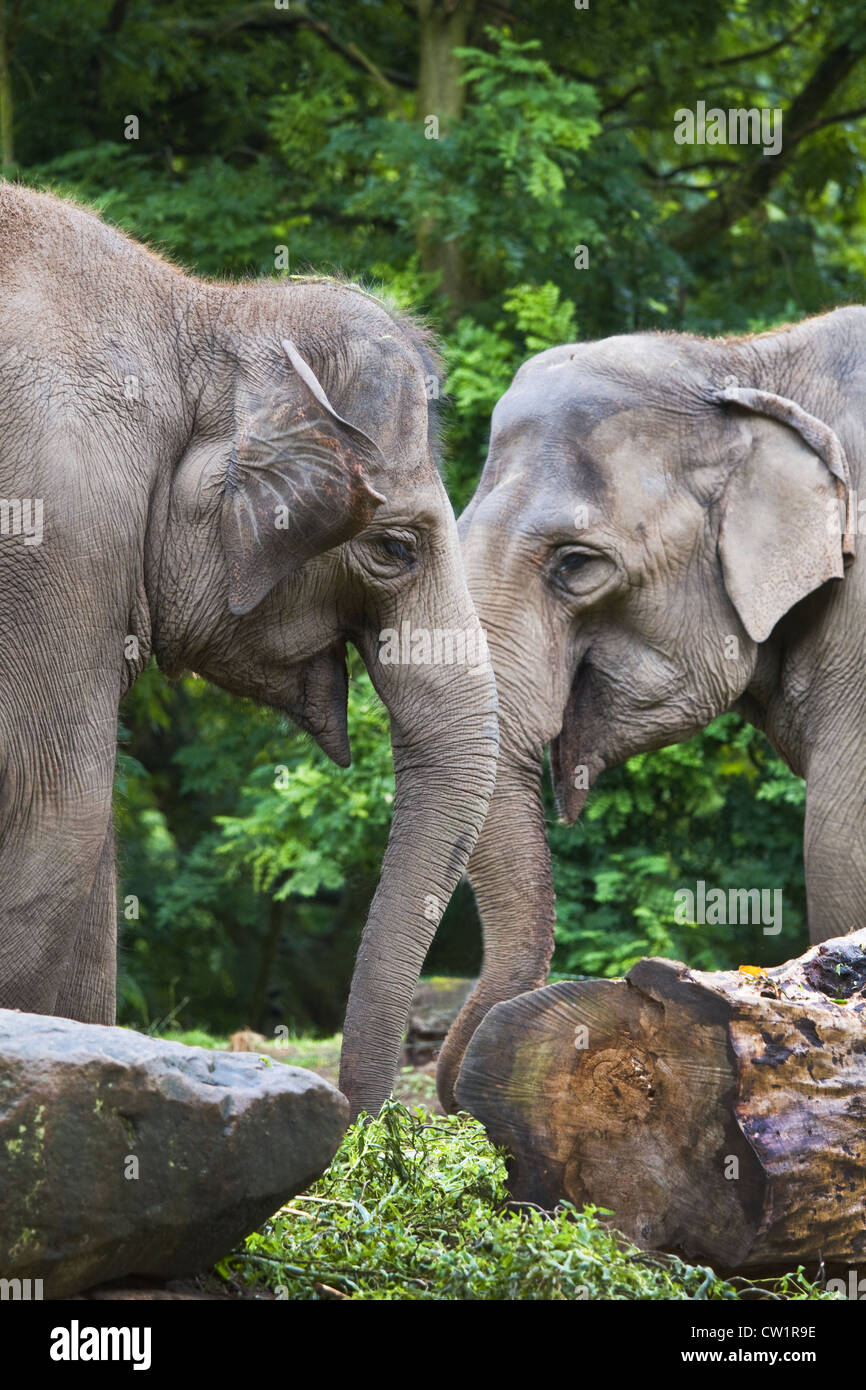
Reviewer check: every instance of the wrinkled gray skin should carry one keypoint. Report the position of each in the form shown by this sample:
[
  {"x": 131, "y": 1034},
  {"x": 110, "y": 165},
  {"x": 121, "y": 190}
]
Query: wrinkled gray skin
[
  {"x": 163, "y": 421},
  {"x": 629, "y": 522}
]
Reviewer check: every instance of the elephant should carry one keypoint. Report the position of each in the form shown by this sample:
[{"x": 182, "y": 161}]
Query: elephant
[
  {"x": 237, "y": 480},
  {"x": 665, "y": 529}
]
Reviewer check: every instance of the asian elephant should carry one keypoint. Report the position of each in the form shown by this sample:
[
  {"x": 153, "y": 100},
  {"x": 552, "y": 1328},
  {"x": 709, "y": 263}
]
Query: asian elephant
[
  {"x": 665, "y": 529},
  {"x": 237, "y": 479}
]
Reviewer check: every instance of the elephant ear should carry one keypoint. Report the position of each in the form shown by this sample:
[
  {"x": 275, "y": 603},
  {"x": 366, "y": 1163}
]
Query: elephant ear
[
  {"x": 782, "y": 510},
  {"x": 296, "y": 484}
]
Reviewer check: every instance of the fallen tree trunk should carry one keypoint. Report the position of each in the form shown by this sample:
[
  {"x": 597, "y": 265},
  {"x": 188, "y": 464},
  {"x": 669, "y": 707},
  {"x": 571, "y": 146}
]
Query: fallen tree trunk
[{"x": 720, "y": 1114}]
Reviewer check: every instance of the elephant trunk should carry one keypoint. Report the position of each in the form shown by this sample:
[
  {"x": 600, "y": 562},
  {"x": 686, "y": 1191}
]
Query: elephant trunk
[
  {"x": 445, "y": 766},
  {"x": 510, "y": 872}
]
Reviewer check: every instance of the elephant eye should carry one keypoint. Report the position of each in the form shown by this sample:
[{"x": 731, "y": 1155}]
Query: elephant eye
[
  {"x": 397, "y": 549},
  {"x": 573, "y": 561},
  {"x": 389, "y": 555},
  {"x": 579, "y": 572}
]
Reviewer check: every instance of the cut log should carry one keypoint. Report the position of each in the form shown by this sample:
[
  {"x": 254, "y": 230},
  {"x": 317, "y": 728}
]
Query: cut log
[{"x": 720, "y": 1114}]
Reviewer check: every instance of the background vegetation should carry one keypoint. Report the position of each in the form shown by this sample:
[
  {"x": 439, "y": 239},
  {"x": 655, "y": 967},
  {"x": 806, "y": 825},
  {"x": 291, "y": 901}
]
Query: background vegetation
[{"x": 306, "y": 127}]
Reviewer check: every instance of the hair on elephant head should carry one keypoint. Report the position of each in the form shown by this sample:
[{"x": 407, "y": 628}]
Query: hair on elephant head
[{"x": 664, "y": 530}]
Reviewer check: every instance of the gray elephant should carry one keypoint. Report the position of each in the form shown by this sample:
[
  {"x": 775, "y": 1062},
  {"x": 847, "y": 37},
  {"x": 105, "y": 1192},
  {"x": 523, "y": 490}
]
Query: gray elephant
[
  {"x": 236, "y": 479},
  {"x": 664, "y": 530}
]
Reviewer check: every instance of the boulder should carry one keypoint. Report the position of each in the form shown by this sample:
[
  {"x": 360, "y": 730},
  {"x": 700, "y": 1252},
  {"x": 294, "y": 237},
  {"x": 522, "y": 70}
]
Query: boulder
[
  {"x": 122, "y": 1154},
  {"x": 436, "y": 1003}
]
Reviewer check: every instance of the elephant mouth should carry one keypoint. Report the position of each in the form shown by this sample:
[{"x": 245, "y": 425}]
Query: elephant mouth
[
  {"x": 320, "y": 706},
  {"x": 573, "y": 767}
]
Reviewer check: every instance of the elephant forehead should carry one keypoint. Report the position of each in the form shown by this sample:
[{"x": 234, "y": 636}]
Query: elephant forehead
[
  {"x": 533, "y": 457},
  {"x": 557, "y": 425},
  {"x": 614, "y": 462},
  {"x": 555, "y": 398},
  {"x": 634, "y": 462}
]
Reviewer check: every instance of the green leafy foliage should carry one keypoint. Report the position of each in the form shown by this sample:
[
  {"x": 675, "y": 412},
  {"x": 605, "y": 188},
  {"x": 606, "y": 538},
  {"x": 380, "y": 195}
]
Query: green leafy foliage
[
  {"x": 482, "y": 360},
  {"x": 722, "y": 809},
  {"x": 251, "y": 854},
  {"x": 318, "y": 828},
  {"x": 415, "y": 1208}
]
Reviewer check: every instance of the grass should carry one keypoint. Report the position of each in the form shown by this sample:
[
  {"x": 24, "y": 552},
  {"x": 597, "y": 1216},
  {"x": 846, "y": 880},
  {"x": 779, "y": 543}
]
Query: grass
[
  {"x": 195, "y": 1037},
  {"x": 414, "y": 1085}
]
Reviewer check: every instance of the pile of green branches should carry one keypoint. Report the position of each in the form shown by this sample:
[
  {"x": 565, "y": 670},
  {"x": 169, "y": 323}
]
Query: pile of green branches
[{"x": 415, "y": 1207}]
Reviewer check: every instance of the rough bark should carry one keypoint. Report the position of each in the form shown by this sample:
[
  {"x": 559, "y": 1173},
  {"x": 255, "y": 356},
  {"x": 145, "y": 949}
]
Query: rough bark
[
  {"x": 721, "y": 1114},
  {"x": 443, "y": 27}
]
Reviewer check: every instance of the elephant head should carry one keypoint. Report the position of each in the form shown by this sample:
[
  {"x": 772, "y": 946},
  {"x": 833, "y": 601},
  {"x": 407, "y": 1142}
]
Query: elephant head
[
  {"x": 307, "y": 512},
  {"x": 651, "y": 509}
]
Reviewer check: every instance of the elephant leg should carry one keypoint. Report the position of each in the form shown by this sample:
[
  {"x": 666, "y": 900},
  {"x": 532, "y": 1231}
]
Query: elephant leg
[
  {"x": 834, "y": 848},
  {"x": 88, "y": 989},
  {"x": 55, "y": 826}
]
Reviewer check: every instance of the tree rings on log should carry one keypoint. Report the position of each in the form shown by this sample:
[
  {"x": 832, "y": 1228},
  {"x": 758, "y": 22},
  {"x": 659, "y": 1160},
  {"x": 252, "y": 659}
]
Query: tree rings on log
[{"x": 720, "y": 1114}]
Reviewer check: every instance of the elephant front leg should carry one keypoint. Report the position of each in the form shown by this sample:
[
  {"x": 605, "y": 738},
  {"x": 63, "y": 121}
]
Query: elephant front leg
[
  {"x": 88, "y": 990},
  {"x": 56, "y": 875}
]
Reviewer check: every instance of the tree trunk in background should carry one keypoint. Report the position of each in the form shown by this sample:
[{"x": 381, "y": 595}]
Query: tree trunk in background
[
  {"x": 444, "y": 26},
  {"x": 111, "y": 28},
  {"x": 746, "y": 190},
  {"x": 720, "y": 1113},
  {"x": 259, "y": 995},
  {"x": 7, "y": 141}
]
